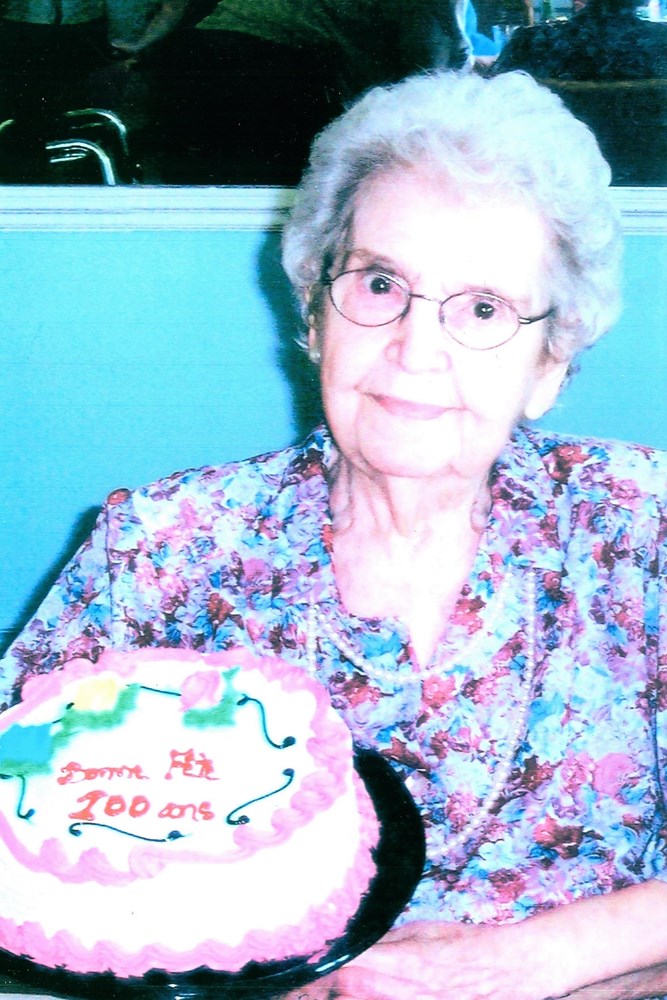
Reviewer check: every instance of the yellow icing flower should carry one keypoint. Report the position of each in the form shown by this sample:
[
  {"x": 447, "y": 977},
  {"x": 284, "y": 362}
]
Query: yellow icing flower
[{"x": 97, "y": 694}]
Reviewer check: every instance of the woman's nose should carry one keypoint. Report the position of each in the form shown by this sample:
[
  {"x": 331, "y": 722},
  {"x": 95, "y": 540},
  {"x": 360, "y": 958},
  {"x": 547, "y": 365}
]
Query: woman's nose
[{"x": 419, "y": 341}]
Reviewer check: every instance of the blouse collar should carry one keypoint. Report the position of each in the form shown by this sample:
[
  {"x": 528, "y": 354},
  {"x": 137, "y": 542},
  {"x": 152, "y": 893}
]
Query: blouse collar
[{"x": 524, "y": 527}]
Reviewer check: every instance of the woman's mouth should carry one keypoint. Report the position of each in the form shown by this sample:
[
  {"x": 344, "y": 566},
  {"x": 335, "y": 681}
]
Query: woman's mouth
[{"x": 410, "y": 409}]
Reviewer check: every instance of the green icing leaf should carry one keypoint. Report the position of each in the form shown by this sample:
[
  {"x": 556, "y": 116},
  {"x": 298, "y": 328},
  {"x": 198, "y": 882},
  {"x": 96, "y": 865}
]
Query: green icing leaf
[{"x": 75, "y": 720}]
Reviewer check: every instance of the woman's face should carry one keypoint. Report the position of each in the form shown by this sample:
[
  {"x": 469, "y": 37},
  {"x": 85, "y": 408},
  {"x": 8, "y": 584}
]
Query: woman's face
[{"x": 405, "y": 399}]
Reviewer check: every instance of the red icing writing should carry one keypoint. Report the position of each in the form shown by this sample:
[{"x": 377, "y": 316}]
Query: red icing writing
[
  {"x": 191, "y": 766},
  {"x": 86, "y": 814},
  {"x": 97, "y": 802},
  {"x": 72, "y": 773},
  {"x": 175, "y": 811}
]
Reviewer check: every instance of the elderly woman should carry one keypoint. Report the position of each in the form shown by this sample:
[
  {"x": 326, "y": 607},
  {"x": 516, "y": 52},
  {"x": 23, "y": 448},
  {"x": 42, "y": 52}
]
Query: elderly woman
[{"x": 482, "y": 599}]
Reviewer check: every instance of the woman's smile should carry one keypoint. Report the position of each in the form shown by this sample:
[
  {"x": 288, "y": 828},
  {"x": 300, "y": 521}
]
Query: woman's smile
[{"x": 408, "y": 408}]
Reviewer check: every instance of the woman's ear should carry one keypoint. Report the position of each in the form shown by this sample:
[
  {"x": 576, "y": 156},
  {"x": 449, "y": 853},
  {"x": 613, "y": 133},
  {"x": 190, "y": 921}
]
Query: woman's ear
[
  {"x": 314, "y": 352},
  {"x": 545, "y": 390}
]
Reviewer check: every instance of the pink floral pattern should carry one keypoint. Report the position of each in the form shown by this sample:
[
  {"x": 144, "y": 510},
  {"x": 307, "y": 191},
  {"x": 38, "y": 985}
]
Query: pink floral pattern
[{"x": 217, "y": 557}]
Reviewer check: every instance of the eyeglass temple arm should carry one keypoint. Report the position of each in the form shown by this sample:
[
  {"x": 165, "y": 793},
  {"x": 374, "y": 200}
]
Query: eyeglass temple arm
[{"x": 527, "y": 320}]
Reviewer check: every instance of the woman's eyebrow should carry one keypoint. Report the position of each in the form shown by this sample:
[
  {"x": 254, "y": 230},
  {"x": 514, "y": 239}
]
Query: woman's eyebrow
[
  {"x": 367, "y": 257},
  {"x": 363, "y": 257}
]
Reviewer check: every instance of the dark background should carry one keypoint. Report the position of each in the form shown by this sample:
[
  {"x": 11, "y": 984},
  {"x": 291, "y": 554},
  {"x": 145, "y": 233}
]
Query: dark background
[{"x": 223, "y": 107}]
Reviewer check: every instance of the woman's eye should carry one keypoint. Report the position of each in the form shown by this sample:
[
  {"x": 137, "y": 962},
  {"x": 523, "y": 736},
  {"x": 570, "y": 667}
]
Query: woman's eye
[
  {"x": 379, "y": 284},
  {"x": 483, "y": 309}
]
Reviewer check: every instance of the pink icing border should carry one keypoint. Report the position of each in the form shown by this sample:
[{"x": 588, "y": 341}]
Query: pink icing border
[
  {"x": 318, "y": 792},
  {"x": 321, "y": 924}
]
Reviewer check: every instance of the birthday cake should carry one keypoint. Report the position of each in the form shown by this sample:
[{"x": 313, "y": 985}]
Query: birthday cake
[{"x": 164, "y": 809}]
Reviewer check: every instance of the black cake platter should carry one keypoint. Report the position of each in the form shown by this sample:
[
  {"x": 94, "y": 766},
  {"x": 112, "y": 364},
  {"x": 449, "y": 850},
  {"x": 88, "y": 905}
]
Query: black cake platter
[{"x": 399, "y": 858}]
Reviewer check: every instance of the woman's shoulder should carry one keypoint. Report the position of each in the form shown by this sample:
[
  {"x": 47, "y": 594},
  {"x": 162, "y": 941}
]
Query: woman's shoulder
[
  {"x": 254, "y": 481},
  {"x": 621, "y": 471}
]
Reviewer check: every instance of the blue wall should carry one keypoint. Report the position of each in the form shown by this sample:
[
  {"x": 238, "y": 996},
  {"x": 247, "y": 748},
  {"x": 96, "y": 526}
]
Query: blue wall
[
  {"x": 126, "y": 355},
  {"x": 621, "y": 390}
]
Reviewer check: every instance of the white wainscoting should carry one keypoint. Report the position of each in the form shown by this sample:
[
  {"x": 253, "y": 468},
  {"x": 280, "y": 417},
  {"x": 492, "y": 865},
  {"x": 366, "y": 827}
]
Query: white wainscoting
[{"x": 643, "y": 210}]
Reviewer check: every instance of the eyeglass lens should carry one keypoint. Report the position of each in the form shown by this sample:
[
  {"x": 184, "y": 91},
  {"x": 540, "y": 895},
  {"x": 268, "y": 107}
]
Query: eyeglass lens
[{"x": 372, "y": 298}]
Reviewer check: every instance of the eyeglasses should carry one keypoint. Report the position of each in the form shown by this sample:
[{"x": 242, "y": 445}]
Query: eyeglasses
[{"x": 477, "y": 320}]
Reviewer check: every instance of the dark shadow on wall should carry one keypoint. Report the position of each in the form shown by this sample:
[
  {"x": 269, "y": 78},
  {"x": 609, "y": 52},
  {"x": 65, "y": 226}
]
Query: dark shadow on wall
[
  {"x": 299, "y": 372},
  {"x": 79, "y": 533}
]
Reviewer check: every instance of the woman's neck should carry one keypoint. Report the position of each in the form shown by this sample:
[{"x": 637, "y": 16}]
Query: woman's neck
[
  {"x": 405, "y": 549},
  {"x": 405, "y": 510}
]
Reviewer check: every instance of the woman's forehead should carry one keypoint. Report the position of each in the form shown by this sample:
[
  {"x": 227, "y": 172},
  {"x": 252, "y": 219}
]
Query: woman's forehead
[
  {"x": 403, "y": 208},
  {"x": 436, "y": 237}
]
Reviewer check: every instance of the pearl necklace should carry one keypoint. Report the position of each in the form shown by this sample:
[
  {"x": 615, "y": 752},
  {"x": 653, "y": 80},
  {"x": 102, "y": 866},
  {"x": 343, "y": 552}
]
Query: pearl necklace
[
  {"x": 384, "y": 675},
  {"x": 480, "y": 816}
]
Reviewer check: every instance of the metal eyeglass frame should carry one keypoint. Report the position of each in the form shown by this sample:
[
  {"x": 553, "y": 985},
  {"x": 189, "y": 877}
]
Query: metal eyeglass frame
[{"x": 409, "y": 296}]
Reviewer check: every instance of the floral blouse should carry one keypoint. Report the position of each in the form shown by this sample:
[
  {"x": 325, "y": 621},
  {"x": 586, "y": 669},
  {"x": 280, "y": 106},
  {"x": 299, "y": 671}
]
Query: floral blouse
[{"x": 564, "y": 617}]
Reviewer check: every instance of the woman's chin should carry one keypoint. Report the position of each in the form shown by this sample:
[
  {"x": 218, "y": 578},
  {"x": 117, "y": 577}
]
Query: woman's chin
[{"x": 410, "y": 462}]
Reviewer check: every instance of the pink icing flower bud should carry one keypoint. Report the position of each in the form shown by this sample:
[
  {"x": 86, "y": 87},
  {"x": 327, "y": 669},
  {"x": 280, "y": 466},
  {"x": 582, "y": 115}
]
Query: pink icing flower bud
[{"x": 202, "y": 689}]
